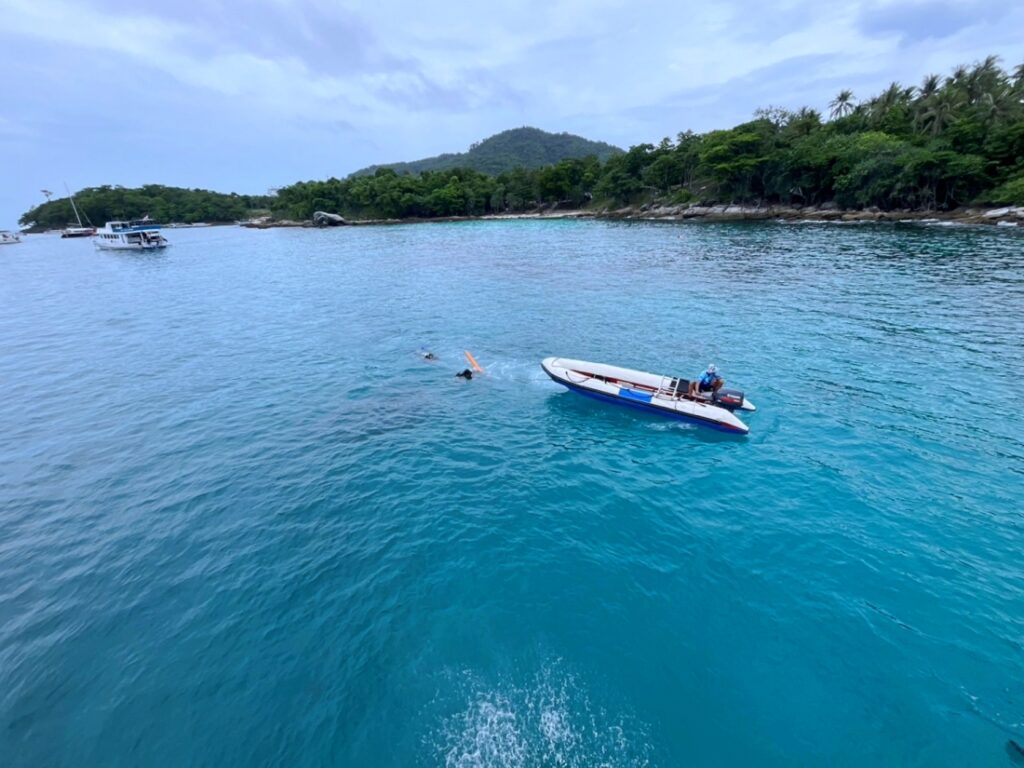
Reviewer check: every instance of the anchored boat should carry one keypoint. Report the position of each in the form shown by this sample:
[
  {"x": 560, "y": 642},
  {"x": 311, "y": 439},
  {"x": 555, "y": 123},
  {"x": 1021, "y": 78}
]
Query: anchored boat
[
  {"x": 130, "y": 236},
  {"x": 81, "y": 230},
  {"x": 665, "y": 395}
]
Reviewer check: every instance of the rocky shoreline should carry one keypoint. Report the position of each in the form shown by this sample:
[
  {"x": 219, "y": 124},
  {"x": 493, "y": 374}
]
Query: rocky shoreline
[
  {"x": 1007, "y": 216},
  {"x": 1003, "y": 216}
]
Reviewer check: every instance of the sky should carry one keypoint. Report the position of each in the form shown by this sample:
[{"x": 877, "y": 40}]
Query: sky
[{"x": 249, "y": 96}]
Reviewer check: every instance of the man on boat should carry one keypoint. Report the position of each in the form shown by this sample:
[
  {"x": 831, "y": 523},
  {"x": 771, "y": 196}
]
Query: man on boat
[{"x": 709, "y": 382}]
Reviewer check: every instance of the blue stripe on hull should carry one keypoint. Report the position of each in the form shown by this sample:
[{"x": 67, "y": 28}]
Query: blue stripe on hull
[
  {"x": 629, "y": 394},
  {"x": 647, "y": 408}
]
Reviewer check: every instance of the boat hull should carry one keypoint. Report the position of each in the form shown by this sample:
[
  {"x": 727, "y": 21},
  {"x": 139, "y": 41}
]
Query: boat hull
[
  {"x": 115, "y": 246},
  {"x": 641, "y": 391}
]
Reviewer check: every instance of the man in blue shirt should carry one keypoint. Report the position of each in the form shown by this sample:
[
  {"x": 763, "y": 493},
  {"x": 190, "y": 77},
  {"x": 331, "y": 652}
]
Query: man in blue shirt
[{"x": 709, "y": 382}]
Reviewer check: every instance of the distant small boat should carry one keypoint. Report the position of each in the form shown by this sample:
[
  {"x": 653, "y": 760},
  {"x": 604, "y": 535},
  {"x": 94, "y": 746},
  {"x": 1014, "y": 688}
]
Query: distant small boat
[
  {"x": 80, "y": 230},
  {"x": 9, "y": 238},
  {"x": 664, "y": 395},
  {"x": 130, "y": 236}
]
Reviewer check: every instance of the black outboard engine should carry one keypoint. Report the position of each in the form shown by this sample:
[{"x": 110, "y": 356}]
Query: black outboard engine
[{"x": 729, "y": 398}]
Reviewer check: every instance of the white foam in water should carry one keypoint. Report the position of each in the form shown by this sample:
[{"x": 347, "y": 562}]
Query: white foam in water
[
  {"x": 486, "y": 734},
  {"x": 526, "y": 371},
  {"x": 671, "y": 425},
  {"x": 514, "y": 370},
  {"x": 546, "y": 723}
]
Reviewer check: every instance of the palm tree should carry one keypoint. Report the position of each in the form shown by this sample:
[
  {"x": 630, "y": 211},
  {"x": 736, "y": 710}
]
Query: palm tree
[
  {"x": 929, "y": 86},
  {"x": 991, "y": 107},
  {"x": 941, "y": 112},
  {"x": 803, "y": 121},
  {"x": 974, "y": 85},
  {"x": 893, "y": 96},
  {"x": 989, "y": 68},
  {"x": 842, "y": 104},
  {"x": 926, "y": 95},
  {"x": 957, "y": 78},
  {"x": 988, "y": 88}
]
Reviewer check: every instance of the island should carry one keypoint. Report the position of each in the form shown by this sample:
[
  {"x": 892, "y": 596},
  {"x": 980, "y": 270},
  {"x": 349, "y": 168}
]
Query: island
[{"x": 951, "y": 147}]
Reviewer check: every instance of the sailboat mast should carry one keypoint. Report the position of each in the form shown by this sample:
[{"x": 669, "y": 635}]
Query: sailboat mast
[{"x": 73, "y": 206}]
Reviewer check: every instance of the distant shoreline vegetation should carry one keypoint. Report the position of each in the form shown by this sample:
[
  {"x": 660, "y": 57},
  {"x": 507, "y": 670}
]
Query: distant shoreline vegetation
[
  {"x": 947, "y": 143},
  {"x": 953, "y": 141},
  {"x": 163, "y": 204}
]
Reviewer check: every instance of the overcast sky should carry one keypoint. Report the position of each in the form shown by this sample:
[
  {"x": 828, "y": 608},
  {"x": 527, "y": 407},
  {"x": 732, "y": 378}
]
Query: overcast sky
[{"x": 247, "y": 96}]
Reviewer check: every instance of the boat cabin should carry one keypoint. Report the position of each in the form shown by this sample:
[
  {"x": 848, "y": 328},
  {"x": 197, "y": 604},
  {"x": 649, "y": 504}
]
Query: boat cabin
[
  {"x": 132, "y": 226},
  {"x": 132, "y": 237}
]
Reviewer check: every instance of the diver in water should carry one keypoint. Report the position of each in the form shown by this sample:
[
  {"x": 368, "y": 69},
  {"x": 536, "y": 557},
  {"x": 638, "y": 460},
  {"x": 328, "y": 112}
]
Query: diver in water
[{"x": 466, "y": 374}]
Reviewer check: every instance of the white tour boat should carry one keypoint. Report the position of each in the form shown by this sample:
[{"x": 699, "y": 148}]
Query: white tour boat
[
  {"x": 9, "y": 238},
  {"x": 130, "y": 236}
]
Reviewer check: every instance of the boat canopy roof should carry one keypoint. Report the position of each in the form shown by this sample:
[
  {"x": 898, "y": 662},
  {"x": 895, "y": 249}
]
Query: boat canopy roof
[{"x": 132, "y": 226}]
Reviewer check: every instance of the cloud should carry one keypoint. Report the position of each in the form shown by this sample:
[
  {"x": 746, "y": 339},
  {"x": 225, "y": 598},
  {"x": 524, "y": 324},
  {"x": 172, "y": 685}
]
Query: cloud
[
  {"x": 345, "y": 80},
  {"x": 926, "y": 20}
]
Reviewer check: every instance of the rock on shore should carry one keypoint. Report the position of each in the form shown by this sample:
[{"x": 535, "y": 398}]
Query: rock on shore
[{"x": 324, "y": 219}]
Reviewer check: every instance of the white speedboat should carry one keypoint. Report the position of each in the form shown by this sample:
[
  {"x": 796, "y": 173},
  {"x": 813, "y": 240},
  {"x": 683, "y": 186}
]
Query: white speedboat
[
  {"x": 665, "y": 395},
  {"x": 9, "y": 238},
  {"x": 130, "y": 236}
]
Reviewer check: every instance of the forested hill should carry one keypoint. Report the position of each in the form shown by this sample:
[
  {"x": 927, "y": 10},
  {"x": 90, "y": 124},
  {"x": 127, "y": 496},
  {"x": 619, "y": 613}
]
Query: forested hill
[
  {"x": 162, "y": 204},
  {"x": 949, "y": 142},
  {"x": 516, "y": 148}
]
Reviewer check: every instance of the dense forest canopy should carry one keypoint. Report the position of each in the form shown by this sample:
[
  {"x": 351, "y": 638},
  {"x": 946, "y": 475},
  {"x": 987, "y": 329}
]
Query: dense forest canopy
[
  {"x": 516, "y": 148},
  {"x": 163, "y": 204},
  {"x": 951, "y": 141}
]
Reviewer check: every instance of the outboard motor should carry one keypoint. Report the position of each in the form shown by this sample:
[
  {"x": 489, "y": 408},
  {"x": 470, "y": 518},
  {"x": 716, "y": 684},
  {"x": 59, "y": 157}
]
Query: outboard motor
[{"x": 729, "y": 398}]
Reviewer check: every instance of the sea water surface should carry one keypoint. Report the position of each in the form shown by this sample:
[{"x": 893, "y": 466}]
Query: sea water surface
[{"x": 244, "y": 523}]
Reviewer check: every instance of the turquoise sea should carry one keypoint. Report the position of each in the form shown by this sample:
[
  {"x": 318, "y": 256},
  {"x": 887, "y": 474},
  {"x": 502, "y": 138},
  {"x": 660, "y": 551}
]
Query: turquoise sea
[{"x": 243, "y": 523}]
